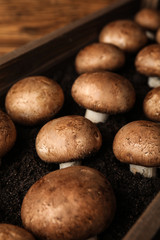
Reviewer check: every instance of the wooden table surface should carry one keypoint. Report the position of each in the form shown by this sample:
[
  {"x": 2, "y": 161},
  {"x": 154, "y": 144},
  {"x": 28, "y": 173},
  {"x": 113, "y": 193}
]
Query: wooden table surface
[{"x": 22, "y": 21}]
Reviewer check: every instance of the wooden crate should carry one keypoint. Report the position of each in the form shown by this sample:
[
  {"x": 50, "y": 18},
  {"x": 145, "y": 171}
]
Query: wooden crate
[{"x": 53, "y": 50}]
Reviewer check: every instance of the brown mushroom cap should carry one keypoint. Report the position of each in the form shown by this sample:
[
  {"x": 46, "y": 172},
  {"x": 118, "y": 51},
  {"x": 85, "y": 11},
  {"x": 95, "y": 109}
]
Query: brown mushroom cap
[
  {"x": 151, "y": 104},
  {"x": 33, "y": 100},
  {"x": 99, "y": 56},
  {"x": 11, "y": 232},
  {"x": 138, "y": 143},
  {"x": 148, "y": 18},
  {"x": 7, "y": 133},
  {"x": 67, "y": 138},
  {"x": 158, "y": 35},
  {"x": 72, "y": 203},
  {"x": 125, "y": 34},
  {"x": 147, "y": 61},
  {"x": 104, "y": 92}
]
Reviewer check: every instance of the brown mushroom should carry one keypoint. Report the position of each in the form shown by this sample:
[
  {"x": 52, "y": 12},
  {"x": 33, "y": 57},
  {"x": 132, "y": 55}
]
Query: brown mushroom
[
  {"x": 7, "y": 134},
  {"x": 98, "y": 57},
  {"x": 34, "y": 100},
  {"x": 149, "y": 19},
  {"x": 72, "y": 203},
  {"x": 125, "y": 34},
  {"x": 67, "y": 140},
  {"x": 103, "y": 93},
  {"x": 147, "y": 62},
  {"x": 151, "y": 104},
  {"x": 138, "y": 143},
  {"x": 12, "y": 232}
]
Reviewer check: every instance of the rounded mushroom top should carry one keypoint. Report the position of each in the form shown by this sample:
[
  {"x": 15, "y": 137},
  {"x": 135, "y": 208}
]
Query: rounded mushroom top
[
  {"x": 33, "y": 100},
  {"x": 99, "y": 56},
  {"x": 158, "y": 35},
  {"x": 151, "y": 104},
  {"x": 125, "y": 34},
  {"x": 7, "y": 133},
  {"x": 12, "y": 232},
  {"x": 104, "y": 92},
  {"x": 72, "y": 203},
  {"x": 68, "y": 138},
  {"x": 147, "y": 61},
  {"x": 138, "y": 143},
  {"x": 148, "y": 18}
]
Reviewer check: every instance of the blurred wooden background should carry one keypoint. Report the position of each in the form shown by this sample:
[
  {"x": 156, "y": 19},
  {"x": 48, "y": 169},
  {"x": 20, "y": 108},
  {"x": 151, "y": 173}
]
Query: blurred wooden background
[{"x": 22, "y": 21}]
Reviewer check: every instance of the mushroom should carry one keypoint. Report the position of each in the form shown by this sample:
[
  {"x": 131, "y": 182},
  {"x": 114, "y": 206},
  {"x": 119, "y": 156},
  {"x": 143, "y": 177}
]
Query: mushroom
[
  {"x": 138, "y": 143},
  {"x": 67, "y": 140},
  {"x": 103, "y": 93},
  {"x": 151, "y": 104},
  {"x": 7, "y": 134},
  {"x": 149, "y": 19},
  {"x": 72, "y": 203},
  {"x": 125, "y": 34},
  {"x": 34, "y": 100},
  {"x": 12, "y": 232},
  {"x": 98, "y": 57},
  {"x": 147, "y": 62}
]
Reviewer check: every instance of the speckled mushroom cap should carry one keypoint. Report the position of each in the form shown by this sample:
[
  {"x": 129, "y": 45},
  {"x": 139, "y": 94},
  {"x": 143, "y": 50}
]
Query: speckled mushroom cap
[
  {"x": 151, "y": 104},
  {"x": 158, "y": 35},
  {"x": 138, "y": 143},
  {"x": 99, "y": 56},
  {"x": 125, "y": 34},
  {"x": 147, "y": 61},
  {"x": 104, "y": 92},
  {"x": 67, "y": 138},
  {"x": 12, "y": 232},
  {"x": 72, "y": 203},
  {"x": 33, "y": 100},
  {"x": 148, "y": 18},
  {"x": 7, "y": 133}
]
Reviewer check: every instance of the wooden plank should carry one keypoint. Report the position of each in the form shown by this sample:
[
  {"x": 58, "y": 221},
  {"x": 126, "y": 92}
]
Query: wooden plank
[
  {"x": 148, "y": 224},
  {"x": 50, "y": 50}
]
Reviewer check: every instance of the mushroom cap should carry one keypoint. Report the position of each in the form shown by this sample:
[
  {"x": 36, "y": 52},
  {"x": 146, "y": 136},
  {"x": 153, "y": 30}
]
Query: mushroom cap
[
  {"x": 104, "y": 92},
  {"x": 12, "y": 232},
  {"x": 138, "y": 143},
  {"x": 33, "y": 100},
  {"x": 67, "y": 138},
  {"x": 151, "y": 104},
  {"x": 147, "y": 61},
  {"x": 148, "y": 18},
  {"x": 98, "y": 57},
  {"x": 125, "y": 34},
  {"x": 158, "y": 35},
  {"x": 72, "y": 203},
  {"x": 7, "y": 133}
]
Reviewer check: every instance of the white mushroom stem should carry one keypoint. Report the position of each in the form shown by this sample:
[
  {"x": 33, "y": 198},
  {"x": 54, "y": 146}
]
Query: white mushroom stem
[
  {"x": 93, "y": 238},
  {"x": 154, "y": 82},
  {"x": 69, "y": 164},
  {"x": 150, "y": 35},
  {"x": 145, "y": 171},
  {"x": 96, "y": 117}
]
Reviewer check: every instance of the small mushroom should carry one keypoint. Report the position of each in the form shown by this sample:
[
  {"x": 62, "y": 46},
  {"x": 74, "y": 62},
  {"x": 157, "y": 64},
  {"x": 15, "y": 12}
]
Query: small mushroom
[
  {"x": 98, "y": 57},
  {"x": 7, "y": 134},
  {"x": 12, "y": 232},
  {"x": 151, "y": 104},
  {"x": 103, "y": 93},
  {"x": 125, "y": 34},
  {"x": 138, "y": 144},
  {"x": 72, "y": 203},
  {"x": 149, "y": 19},
  {"x": 34, "y": 100},
  {"x": 147, "y": 62},
  {"x": 67, "y": 140}
]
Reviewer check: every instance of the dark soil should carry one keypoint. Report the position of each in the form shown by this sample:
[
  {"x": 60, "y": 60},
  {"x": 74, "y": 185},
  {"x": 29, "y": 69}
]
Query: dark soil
[{"x": 21, "y": 167}]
